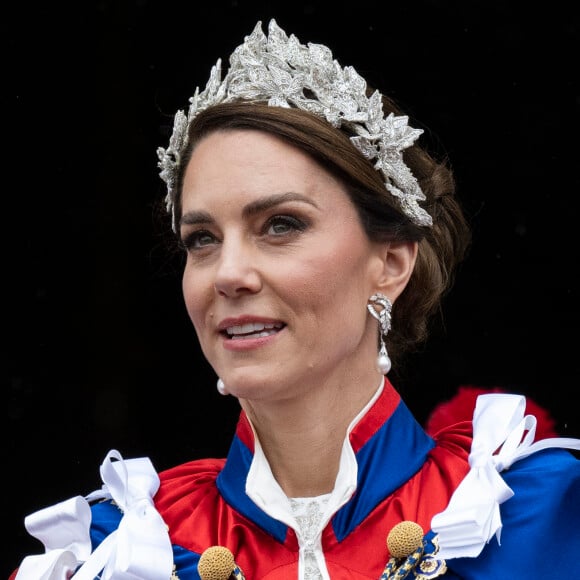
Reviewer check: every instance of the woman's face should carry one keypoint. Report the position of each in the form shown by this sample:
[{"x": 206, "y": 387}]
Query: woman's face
[{"x": 278, "y": 269}]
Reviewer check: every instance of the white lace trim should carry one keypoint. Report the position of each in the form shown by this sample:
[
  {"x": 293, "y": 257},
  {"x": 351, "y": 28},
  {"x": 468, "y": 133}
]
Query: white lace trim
[{"x": 308, "y": 513}]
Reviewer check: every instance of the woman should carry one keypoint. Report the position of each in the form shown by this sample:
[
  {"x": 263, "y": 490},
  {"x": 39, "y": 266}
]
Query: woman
[{"x": 319, "y": 239}]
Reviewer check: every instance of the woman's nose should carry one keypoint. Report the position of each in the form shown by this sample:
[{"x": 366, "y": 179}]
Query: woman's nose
[{"x": 236, "y": 271}]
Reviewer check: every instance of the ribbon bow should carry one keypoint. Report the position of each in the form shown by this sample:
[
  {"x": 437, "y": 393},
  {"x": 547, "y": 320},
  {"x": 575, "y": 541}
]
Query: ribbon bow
[
  {"x": 64, "y": 530},
  {"x": 502, "y": 435},
  {"x": 139, "y": 548}
]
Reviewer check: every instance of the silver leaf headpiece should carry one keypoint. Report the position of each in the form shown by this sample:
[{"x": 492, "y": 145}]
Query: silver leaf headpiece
[{"x": 277, "y": 69}]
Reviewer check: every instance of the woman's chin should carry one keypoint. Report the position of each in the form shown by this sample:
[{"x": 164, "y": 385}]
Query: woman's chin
[{"x": 246, "y": 387}]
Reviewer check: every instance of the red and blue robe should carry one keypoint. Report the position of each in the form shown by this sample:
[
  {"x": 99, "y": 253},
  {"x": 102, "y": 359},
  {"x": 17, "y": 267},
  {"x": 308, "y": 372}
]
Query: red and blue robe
[{"x": 402, "y": 474}]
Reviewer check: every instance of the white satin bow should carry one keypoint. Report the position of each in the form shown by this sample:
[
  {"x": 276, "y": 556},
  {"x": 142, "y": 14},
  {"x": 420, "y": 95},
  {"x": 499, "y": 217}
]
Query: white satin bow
[
  {"x": 138, "y": 549},
  {"x": 64, "y": 530},
  {"x": 501, "y": 436}
]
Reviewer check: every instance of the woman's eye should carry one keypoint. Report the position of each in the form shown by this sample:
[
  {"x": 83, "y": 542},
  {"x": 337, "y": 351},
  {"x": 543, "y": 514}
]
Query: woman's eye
[
  {"x": 198, "y": 239},
  {"x": 280, "y": 225}
]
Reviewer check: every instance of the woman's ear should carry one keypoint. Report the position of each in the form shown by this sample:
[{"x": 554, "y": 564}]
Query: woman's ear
[{"x": 398, "y": 262}]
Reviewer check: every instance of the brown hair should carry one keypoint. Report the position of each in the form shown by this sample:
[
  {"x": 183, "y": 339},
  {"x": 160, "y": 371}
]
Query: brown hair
[{"x": 441, "y": 247}]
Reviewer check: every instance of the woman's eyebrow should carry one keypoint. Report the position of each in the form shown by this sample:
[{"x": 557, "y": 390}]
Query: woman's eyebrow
[
  {"x": 270, "y": 201},
  {"x": 196, "y": 217}
]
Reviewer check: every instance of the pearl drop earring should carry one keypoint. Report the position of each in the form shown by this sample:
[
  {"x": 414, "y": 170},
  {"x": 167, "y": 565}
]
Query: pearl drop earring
[
  {"x": 222, "y": 388},
  {"x": 380, "y": 308}
]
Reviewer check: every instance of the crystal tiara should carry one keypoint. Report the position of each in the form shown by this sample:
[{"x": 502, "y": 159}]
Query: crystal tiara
[{"x": 277, "y": 69}]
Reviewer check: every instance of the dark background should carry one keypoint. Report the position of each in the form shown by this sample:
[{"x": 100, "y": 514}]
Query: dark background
[{"x": 98, "y": 352}]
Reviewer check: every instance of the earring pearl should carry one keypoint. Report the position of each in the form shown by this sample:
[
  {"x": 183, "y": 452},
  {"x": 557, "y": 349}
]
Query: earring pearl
[
  {"x": 222, "y": 388},
  {"x": 383, "y": 362}
]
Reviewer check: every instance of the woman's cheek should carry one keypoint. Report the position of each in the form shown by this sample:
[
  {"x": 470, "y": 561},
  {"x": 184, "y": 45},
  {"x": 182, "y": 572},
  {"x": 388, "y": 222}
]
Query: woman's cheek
[{"x": 192, "y": 298}]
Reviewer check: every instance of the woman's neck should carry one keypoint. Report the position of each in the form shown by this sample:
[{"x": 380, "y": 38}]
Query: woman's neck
[{"x": 302, "y": 439}]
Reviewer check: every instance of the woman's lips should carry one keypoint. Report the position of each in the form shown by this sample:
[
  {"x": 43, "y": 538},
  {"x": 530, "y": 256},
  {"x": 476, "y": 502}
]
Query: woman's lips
[
  {"x": 250, "y": 334},
  {"x": 252, "y": 330}
]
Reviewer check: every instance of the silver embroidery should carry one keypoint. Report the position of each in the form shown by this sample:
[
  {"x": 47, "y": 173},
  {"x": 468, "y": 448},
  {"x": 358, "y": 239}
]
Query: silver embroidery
[{"x": 308, "y": 513}]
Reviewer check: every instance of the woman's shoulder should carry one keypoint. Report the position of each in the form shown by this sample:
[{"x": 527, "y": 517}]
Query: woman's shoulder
[
  {"x": 520, "y": 489},
  {"x": 548, "y": 476},
  {"x": 197, "y": 469},
  {"x": 539, "y": 524},
  {"x": 188, "y": 480},
  {"x": 182, "y": 489}
]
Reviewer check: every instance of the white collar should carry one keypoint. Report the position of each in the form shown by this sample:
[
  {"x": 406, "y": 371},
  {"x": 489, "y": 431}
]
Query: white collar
[{"x": 265, "y": 492}]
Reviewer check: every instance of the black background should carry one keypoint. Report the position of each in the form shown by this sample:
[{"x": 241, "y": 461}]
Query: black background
[{"x": 98, "y": 352}]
